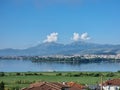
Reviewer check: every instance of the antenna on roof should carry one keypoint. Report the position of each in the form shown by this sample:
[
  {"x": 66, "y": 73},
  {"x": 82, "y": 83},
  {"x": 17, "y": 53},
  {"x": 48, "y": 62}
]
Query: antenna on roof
[{"x": 101, "y": 82}]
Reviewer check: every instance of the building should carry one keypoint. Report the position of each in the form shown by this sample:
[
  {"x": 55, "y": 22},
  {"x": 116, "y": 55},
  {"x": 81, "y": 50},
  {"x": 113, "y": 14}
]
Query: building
[
  {"x": 75, "y": 86},
  {"x": 113, "y": 84},
  {"x": 54, "y": 86}
]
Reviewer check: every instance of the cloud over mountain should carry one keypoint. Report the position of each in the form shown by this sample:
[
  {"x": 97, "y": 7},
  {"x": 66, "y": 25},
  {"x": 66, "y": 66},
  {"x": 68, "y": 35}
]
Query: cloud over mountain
[
  {"x": 78, "y": 37},
  {"x": 84, "y": 36},
  {"x": 53, "y": 37}
]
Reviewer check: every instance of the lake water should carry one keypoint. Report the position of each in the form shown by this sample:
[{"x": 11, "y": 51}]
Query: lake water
[{"x": 28, "y": 65}]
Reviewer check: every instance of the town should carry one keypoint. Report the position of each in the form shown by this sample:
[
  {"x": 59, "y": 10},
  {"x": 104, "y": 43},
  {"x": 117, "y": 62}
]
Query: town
[{"x": 86, "y": 56}]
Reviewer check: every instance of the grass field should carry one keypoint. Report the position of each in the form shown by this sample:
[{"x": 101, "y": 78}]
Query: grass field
[{"x": 20, "y": 80}]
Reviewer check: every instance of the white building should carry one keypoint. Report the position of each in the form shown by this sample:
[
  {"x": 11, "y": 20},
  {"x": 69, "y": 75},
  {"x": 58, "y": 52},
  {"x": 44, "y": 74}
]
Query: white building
[{"x": 113, "y": 84}]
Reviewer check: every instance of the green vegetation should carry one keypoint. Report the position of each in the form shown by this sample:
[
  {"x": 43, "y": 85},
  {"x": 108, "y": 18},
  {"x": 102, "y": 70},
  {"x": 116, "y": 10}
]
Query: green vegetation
[
  {"x": 2, "y": 74},
  {"x": 2, "y": 85},
  {"x": 16, "y": 80}
]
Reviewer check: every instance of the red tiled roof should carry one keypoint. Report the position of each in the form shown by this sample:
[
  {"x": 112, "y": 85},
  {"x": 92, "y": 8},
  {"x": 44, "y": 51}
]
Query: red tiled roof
[
  {"x": 114, "y": 82},
  {"x": 75, "y": 86},
  {"x": 37, "y": 84},
  {"x": 54, "y": 86},
  {"x": 46, "y": 86}
]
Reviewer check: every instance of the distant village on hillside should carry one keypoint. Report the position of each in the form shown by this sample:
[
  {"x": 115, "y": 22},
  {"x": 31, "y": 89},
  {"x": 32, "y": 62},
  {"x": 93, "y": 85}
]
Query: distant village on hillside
[{"x": 62, "y": 57}]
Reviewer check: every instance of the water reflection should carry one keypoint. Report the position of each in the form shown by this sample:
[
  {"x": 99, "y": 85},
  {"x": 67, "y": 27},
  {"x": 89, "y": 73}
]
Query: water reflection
[{"x": 28, "y": 65}]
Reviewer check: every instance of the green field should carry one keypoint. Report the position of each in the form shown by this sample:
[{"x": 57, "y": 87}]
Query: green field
[{"x": 20, "y": 80}]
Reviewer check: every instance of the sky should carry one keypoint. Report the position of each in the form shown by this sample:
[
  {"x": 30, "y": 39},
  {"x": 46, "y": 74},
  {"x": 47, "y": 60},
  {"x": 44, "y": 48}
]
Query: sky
[{"x": 26, "y": 23}]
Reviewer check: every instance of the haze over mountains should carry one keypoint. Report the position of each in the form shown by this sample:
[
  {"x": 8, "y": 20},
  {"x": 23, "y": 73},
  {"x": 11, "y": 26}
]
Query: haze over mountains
[{"x": 52, "y": 48}]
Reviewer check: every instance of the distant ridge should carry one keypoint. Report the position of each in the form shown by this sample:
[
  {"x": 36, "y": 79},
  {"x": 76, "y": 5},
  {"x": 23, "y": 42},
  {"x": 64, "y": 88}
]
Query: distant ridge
[{"x": 46, "y": 49}]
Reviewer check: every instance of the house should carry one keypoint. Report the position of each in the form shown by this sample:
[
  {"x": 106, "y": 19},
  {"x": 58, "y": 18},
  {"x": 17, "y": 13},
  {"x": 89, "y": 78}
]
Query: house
[
  {"x": 113, "y": 84},
  {"x": 47, "y": 86},
  {"x": 94, "y": 87},
  {"x": 75, "y": 86},
  {"x": 54, "y": 86}
]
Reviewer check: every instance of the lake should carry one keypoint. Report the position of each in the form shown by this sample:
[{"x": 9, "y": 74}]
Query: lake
[{"x": 28, "y": 65}]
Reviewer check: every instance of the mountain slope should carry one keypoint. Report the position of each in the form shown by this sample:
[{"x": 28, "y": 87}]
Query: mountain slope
[{"x": 46, "y": 49}]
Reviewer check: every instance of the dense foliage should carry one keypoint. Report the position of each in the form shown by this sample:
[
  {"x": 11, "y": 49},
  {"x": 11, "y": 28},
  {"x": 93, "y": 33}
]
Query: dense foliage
[{"x": 2, "y": 85}]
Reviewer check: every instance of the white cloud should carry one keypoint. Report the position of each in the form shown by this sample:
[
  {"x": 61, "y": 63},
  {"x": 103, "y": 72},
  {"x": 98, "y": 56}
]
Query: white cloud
[
  {"x": 78, "y": 37},
  {"x": 53, "y": 37},
  {"x": 84, "y": 36}
]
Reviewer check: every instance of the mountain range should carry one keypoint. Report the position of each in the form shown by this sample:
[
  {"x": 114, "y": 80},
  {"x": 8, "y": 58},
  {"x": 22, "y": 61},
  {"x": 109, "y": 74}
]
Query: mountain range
[{"x": 46, "y": 49}]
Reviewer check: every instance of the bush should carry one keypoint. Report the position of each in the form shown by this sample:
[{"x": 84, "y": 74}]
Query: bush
[
  {"x": 96, "y": 74},
  {"x": 35, "y": 74},
  {"x": 118, "y": 71},
  {"x": 81, "y": 74},
  {"x": 77, "y": 74},
  {"x": 28, "y": 74},
  {"x": 69, "y": 74},
  {"x": 40, "y": 74},
  {"x": 59, "y": 74},
  {"x": 2, "y": 74},
  {"x": 2, "y": 85},
  {"x": 18, "y": 74},
  {"x": 110, "y": 75}
]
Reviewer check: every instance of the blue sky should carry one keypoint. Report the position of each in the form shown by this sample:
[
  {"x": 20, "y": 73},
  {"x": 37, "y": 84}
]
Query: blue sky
[{"x": 25, "y": 23}]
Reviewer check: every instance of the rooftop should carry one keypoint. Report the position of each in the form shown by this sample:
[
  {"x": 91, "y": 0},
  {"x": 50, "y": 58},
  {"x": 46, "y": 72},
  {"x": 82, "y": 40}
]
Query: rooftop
[
  {"x": 55, "y": 86},
  {"x": 113, "y": 82}
]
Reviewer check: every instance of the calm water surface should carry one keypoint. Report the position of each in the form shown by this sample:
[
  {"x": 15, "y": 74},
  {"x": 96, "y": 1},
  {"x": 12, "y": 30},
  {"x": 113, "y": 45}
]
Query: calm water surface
[{"x": 27, "y": 65}]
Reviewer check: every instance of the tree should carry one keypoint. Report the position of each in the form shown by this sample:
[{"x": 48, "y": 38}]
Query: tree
[
  {"x": 2, "y": 74},
  {"x": 2, "y": 85}
]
